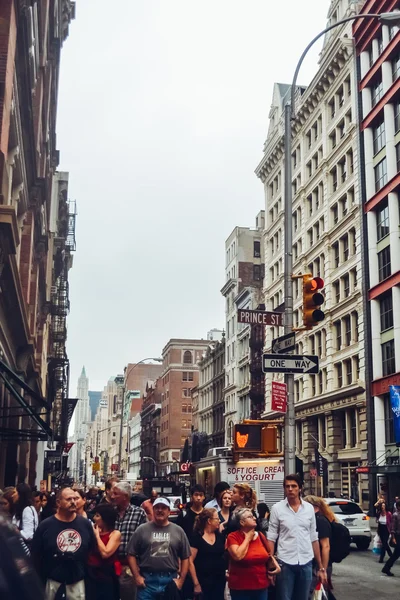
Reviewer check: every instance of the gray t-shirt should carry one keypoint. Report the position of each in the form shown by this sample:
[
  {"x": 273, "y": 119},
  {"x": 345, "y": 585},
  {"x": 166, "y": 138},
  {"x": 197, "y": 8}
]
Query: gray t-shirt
[{"x": 159, "y": 548}]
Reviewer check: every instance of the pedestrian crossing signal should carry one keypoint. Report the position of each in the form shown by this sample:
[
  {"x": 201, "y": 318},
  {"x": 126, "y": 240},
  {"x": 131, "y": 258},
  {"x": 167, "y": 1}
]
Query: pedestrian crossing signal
[{"x": 313, "y": 299}]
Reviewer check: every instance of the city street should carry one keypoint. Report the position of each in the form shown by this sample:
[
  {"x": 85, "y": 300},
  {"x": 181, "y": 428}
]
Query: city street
[{"x": 359, "y": 577}]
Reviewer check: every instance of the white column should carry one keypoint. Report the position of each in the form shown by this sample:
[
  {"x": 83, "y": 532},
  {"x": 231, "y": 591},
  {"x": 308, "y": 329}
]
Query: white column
[
  {"x": 375, "y": 50},
  {"x": 364, "y": 63},
  {"x": 385, "y": 35},
  {"x": 366, "y": 101},
  {"x": 372, "y": 250},
  {"x": 390, "y": 143},
  {"x": 387, "y": 76},
  {"x": 376, "y": 339},
  {"x": 369, "y": 166},
  {"x": 396, "y": 325},
  {"x": 393, "y": 204}
]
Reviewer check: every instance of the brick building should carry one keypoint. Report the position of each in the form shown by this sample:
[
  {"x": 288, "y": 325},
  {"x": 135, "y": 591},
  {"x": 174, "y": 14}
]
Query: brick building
[
  {"x": 36, "y": 241},
  {"x": 150, "y": 428},
  {"x": 180, "y": 374}
]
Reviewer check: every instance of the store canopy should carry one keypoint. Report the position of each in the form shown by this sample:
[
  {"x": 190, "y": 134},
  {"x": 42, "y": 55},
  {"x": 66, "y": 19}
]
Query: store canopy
[{"x": 12, "y": 381}]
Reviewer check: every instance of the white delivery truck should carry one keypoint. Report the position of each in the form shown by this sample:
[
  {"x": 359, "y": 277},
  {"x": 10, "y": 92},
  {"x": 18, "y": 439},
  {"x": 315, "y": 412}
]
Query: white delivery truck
[{"x": 264, "y": 475}]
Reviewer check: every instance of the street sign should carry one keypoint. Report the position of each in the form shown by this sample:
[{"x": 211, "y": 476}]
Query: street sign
[
  {"x": 290, "y": 363},
  {"x": 362, "y": 469},
  {"x": 284, "y": 343},
  {"x": 260, "y": 317},
  {"x": 279, "y": 396}
]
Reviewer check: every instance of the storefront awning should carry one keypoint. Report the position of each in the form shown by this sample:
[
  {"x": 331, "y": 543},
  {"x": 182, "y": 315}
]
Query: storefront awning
[{"x": 11, "y": 382}]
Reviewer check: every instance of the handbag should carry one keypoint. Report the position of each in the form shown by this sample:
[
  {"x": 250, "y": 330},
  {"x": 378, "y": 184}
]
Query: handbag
[
  {"x": 319, "y": 592},
  {"x": 392, "y": 543},
  {"x": 271, "y": 564}
]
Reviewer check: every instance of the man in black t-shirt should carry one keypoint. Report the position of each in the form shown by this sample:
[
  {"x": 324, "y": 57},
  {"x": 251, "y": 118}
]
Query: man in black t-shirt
[
  {"x": 60, "y": 549},
  {"x": 197, "y": 498}
]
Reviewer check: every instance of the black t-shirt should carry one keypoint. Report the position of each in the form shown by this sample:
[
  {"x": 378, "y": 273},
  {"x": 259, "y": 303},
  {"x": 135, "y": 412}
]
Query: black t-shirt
[
  {"x": 209, "y": 562},
  {"x": 324, "y": 528},
  {"x": 187, "y": 522},
  {"x": 60, "y": 549}
]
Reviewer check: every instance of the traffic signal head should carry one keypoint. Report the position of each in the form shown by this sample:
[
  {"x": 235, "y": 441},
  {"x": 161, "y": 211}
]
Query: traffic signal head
[{"x": 312, "y": 300}]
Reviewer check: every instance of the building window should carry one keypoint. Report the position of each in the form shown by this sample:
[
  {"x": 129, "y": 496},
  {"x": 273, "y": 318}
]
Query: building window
[
  {"x": 339, "y": 375},
  {"x": 338, "y": 334},
  {"x": 343, "y": 428},
  {"x": 396, "y": 67},
  {"x": 397, "y": 116},
  {"x": 187, "y": 376},
  {"x": 388, "y": 358},
  {"x": 347, "y": 331},
  {"x": 257, "y": 250},
  {"x": 346, "y": 286},
  {"x": 348, "y": 371},
  {"x": 380, "y": 175},
  {"x": 389, "y": 424},
  {"x": 382, "y": 221},
  {"x": 386, "y": 309},
  {"x": 384, "y": 266},
  {"x": 398, "y": 157},
  {"x": 376, "y": 92},
  {"x": 335, "y": 248},
  {"x": 299, "y": 436},
  {"x": 187, "y": 358},
  {"x": 353, "y": 427},
  {"x": 257, "y": 272},
  {"x": 379, "y": 137},
  {"x": 336, "y": 291}
]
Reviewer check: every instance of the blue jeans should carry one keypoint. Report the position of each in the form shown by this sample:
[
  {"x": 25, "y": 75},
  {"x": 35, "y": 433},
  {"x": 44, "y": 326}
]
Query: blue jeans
[
  {"x": 249, "y": 594},
  {"x": 155, "y": 585},
  {"x": 294, "y": 582}
]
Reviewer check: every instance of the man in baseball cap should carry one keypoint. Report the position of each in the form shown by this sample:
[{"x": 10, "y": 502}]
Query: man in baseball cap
[{"x": 154, "y": 552}]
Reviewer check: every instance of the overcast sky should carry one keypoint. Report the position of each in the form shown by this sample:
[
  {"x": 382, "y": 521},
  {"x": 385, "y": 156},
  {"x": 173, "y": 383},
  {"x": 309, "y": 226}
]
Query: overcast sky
[{"x": 162, "y": 116}]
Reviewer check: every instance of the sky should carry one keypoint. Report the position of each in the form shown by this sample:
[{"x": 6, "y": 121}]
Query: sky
[{"x": 162, "y": 116}]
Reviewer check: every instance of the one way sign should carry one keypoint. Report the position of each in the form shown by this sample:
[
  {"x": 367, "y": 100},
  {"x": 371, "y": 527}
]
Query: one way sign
[{"x": 290, "y": 363}]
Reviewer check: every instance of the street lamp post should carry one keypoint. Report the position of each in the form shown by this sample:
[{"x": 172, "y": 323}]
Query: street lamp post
[
  {"x": 290, "y": 114},
  {"x": 123, "y": 407},
  {"x": 155, "y": 464}
]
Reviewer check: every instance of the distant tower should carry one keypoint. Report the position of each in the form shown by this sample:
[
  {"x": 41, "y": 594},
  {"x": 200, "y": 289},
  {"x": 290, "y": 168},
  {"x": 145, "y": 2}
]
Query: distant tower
[{"x": 82, "y": 412}]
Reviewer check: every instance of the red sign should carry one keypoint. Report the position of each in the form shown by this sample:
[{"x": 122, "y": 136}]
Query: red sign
[
  {"x": 185, "y": 467},
  {"x": 362, "y": 470},
  {"x": 279, "y": 396},
  {"x": 114, "y": 467},
  {"x": 260, "y": 317},
  {"x": 67, "y": 447}
]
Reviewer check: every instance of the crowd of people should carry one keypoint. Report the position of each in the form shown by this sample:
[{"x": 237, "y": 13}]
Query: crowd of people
[{"x": 117, "y": 545}]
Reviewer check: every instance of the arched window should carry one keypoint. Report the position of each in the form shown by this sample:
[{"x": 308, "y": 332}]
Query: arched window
[{"x": 187, "y": 357}]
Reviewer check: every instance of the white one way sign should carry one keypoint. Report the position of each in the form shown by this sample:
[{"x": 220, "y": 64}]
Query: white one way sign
[{"x": 290, "y": 363}]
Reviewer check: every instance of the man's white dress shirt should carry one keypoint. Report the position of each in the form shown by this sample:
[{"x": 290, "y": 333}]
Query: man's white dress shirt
[{"x": 295, "y": 532}]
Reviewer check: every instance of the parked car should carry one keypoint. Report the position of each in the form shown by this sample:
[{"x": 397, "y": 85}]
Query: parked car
[
  {"x": 177, "y": 506},
  {"x": 356, "y": 521}
]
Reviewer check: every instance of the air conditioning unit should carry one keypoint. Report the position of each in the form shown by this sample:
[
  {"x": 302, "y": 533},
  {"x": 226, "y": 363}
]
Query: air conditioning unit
[{"x": 217, "y": 451}]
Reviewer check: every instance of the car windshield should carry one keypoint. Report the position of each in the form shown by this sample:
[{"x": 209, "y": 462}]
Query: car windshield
[{"x": 345, "y": 508}]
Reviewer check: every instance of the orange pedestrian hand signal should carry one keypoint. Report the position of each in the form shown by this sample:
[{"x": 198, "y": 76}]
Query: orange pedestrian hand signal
[{"x": 241, "y": 440}]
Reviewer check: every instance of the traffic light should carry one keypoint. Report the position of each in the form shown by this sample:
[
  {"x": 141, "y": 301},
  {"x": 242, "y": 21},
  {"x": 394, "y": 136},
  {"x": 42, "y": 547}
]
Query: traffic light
[
  {"x": 255, "y": 438},
  {"x": 312, "y": 300}
]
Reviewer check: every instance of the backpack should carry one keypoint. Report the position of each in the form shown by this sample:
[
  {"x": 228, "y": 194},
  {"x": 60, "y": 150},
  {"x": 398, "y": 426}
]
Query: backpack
[{"x": 340, "y": 542}]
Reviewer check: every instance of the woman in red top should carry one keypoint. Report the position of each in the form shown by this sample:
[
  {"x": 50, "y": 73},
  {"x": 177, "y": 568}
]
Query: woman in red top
[
  {"x": 248, "y": 557},
  {"x": 104, "y": 566}
]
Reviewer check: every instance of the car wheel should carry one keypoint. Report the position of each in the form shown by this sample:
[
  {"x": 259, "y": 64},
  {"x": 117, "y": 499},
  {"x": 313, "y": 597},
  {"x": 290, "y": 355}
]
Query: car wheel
[{"x": 363, "y": 544}]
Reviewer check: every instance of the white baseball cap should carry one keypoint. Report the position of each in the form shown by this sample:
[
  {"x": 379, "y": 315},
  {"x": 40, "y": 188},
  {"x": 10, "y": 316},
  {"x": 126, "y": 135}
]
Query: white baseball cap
[{"x": 162, "y": 501}]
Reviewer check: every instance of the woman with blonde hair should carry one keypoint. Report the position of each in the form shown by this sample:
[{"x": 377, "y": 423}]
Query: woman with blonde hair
[
  {"x": 243, "y": 496},
  {"x": 324, "y": 516}
]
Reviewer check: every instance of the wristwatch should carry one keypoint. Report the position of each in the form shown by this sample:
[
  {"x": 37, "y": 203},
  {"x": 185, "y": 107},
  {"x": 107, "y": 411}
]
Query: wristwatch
[{"x": 321, "y": 569}]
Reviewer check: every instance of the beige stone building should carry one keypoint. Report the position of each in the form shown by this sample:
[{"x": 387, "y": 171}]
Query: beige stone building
[{"x": 330, "y": 406}]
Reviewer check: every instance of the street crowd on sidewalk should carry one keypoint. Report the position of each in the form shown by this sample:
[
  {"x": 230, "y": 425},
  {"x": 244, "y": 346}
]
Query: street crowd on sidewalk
[{"x": 121, "y": 546}]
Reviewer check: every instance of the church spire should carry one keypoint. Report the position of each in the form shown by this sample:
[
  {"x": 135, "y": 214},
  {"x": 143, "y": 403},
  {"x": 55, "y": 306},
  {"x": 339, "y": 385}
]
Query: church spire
[{"x": 83, "y": 374}]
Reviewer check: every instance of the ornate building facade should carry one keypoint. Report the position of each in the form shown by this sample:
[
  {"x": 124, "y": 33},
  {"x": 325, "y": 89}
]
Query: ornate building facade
[{"x": 37, "y": 238}]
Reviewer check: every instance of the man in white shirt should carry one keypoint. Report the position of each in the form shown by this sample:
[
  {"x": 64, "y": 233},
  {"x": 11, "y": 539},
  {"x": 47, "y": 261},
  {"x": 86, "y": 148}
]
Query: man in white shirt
[{"x": 292, "y": 523}]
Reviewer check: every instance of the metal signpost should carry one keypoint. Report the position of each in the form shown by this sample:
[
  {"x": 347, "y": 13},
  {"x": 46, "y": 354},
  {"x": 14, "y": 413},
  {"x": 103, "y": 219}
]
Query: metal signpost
[{"x": 290, "y": 363}]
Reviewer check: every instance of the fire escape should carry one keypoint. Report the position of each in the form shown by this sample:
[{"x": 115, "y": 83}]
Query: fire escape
[
  {"x": 257, "y": 380},
  {"x": 65, "y": 244}
]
